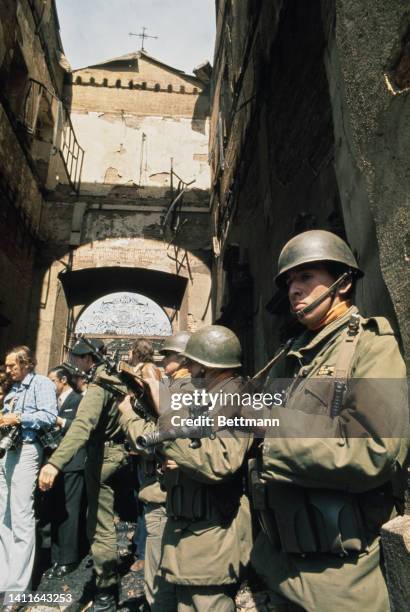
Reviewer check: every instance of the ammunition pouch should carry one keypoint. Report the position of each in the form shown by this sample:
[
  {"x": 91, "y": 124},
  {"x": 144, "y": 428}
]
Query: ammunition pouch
[
  {"x": 193, "y": 500},
  {"x": 306, "y": 520}
]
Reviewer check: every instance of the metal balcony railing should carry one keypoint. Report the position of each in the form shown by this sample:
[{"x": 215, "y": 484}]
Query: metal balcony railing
[{"x": 45, "y": 118}]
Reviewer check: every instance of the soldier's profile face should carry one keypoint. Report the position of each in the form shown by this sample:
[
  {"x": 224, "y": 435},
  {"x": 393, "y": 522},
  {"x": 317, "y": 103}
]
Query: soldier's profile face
[
  {"x": 171, "y": 363},
  {"x": 195, "y": 369},
  {"x": 305, "y": 285}
]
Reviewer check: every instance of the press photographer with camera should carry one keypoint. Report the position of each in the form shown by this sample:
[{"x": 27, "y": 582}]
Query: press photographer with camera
[{"x": 29, "y": 406}]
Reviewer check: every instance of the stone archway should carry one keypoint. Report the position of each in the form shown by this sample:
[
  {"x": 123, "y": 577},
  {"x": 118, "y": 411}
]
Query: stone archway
[{"x": 179, "y": 282}]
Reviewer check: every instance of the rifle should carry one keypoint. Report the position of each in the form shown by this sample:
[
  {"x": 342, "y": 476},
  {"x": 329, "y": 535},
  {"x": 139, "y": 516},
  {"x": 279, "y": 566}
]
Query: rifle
[
  {"x": 195, "y": 433},
  {"x": 77, "y": 372},
  {"x": 121, "y": 373},
  {"x": 150, "y": 441}
]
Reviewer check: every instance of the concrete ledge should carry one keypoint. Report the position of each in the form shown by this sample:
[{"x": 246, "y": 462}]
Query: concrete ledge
[{"x": 396, "y": 547}]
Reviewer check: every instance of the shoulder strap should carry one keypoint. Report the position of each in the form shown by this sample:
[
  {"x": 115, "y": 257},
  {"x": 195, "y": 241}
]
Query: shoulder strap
[
  {"x": 25, "y": 393},
  {"x": 343, "y": 363},
  {"x": 346, "y": 352}
]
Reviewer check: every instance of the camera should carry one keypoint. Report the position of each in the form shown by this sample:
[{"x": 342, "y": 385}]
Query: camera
[
  {"x": 10, "y": 438},
  {"x": 51, "y": 438}
]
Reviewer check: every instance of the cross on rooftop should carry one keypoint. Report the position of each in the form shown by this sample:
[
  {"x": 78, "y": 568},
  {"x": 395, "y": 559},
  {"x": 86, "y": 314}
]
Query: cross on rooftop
[{"x": 143, "y": 36}]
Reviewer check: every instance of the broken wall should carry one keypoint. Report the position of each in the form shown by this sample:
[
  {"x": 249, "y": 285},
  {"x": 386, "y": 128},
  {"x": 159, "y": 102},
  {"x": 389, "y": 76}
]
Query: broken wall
[
  {"x": 124, "y": 219},
  {"x": 287, "y": 100},
  {"x": 121, "y": 237},
  {"x": 29, "y": 48}
]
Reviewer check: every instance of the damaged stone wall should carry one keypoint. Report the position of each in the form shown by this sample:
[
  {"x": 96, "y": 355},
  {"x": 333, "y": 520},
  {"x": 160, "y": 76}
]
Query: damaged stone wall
[
  {"x": 126, "y": 237},
  {"x": 29, "y": 48},
  {"x": 121, "y": 219},
  {"x": 368, "y": 67},
  {"x": 304, "y": 134},
  {"x": 131, "y": 131},
  {"x": 122, "y": 149}
]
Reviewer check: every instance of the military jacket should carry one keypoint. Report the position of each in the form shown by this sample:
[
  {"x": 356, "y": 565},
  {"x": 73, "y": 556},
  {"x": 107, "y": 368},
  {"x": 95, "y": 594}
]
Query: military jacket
[
  {"x": 96, "y": 421},
  {"x": 356, "y": 451},
  {"x": 135, "y": 426},
  {"x": 353, "y": 453},
  {"x": 207, "y": 538}
]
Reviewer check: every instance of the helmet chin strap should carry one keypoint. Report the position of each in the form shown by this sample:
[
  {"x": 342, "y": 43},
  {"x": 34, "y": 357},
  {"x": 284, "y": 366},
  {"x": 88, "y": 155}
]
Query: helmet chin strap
[{"x": 330, "y": 291}]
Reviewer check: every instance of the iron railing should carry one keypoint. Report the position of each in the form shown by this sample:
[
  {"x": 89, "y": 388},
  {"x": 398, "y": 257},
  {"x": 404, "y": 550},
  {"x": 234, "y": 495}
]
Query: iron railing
[{"x": 64, "y": 140}]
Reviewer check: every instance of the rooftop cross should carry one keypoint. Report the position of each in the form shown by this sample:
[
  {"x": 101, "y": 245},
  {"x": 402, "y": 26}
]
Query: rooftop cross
[{"x": 143, "y": 36}]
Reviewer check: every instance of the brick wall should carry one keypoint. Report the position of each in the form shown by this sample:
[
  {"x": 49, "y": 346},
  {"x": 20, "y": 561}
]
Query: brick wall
[{"x": 138, "y": 102}]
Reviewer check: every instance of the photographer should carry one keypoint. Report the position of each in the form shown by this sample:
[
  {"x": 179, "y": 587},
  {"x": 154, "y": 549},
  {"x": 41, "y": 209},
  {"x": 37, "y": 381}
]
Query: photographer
[
  {"x": 31, "y": 405},
  {"x": 65, "y": 499}
]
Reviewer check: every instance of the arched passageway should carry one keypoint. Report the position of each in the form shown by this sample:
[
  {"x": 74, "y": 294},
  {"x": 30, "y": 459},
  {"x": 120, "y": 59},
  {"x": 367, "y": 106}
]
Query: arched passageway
[{"x": 120, "y": 318}]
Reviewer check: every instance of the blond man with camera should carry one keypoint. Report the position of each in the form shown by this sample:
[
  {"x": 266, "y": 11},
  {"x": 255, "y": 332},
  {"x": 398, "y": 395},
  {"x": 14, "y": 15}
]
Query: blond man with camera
[{"x": 30, "y": 405}]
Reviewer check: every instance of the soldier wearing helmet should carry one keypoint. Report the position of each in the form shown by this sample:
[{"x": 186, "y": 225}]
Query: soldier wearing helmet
[
  {"x": 207, "y": 537},
  {"x": 173, "y": 360},
  {"x": 327, "y": 480}
]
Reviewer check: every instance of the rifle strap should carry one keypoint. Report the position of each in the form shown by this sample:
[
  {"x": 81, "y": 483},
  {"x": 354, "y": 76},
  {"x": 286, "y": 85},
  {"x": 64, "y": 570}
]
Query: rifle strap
[{"x": 282, "y": 352}]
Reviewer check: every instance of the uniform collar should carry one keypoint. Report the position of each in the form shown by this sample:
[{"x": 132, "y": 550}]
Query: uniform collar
[
  {"x": 181, "y": 373},
  {"x": 310, "y": 340}
]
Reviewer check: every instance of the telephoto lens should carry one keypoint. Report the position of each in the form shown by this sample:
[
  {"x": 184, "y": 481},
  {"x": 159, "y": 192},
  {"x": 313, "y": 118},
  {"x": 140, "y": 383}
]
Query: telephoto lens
[{"x": 9, "y": 439}]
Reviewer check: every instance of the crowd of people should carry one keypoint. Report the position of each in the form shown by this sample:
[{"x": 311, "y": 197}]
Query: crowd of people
[{"x": 300, "y": 505}]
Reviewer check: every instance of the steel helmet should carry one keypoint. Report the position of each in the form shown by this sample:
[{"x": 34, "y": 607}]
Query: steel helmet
[
  {"x": 175, "y": 343},
  {"x": 214, "y": 346},
  {"x": 311, "y": 247},
  {"x": 81, "y": 348}
]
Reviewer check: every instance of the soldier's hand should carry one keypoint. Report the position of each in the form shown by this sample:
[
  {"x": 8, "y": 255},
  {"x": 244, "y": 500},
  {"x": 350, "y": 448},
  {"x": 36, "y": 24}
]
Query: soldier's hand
[
  {"x": 125, "y": 405},
  {"x": 169, "y": 464},
  {"x": 47, "y": 476}
]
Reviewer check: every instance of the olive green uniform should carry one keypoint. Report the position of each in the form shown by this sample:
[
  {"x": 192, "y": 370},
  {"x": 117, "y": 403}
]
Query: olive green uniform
[
  {"x": 160, "y": 594},
  {"x": 97, "y": 426},
  {"x": 335, "y": 475},
  {"x": 207, "y": 538}
]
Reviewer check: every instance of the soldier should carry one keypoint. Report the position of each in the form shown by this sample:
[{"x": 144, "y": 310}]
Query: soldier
[
  {"x": 97, "y": 427},
  {"x": 160, "y": 594},
  {"x": 323, "y": 499},
  {"x": 207, "y": 537}
]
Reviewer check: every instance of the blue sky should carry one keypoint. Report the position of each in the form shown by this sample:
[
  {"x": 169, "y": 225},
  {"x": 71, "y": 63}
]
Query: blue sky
[{"x": 96, "y": 30}]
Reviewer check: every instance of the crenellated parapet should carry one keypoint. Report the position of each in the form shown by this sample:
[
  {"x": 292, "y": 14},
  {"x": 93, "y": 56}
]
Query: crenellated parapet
[{"x": 87, "y": 80}]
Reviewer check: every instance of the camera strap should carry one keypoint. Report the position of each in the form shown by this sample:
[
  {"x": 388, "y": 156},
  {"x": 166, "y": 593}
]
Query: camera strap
[{"x": 15, "y": 399}]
